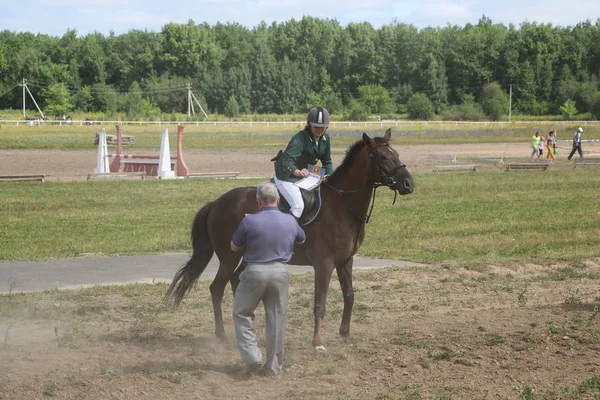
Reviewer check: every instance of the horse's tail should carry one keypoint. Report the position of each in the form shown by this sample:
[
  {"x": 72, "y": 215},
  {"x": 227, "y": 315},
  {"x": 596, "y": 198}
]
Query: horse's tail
[{"x": 202, "y": 252}]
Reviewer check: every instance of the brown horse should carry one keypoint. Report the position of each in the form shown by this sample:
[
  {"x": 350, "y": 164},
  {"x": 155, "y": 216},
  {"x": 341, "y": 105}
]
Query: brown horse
[{"x": 332, "y": 239}]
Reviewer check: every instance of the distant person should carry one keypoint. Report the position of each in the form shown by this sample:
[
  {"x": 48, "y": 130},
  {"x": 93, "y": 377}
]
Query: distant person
[
  {"x": 576, "y": 144},
  {"x": 267, "y": 239},
  {"x": 535, "y": 143},
  {"x": 550, "y": 146},
  {"x": 541, "y": 146}
]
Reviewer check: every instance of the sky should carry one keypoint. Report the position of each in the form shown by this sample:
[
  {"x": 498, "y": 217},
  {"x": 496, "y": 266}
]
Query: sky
[{"x": 55, "y": 17}]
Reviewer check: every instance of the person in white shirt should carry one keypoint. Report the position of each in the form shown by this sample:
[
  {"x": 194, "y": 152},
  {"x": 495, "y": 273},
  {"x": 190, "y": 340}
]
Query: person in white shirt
[{"x": 576, "y": 144}]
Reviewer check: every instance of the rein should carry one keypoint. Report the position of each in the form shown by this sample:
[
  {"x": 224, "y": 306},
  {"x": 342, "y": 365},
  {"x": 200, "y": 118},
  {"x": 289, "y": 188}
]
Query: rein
[{"x": 388, "y": 181}]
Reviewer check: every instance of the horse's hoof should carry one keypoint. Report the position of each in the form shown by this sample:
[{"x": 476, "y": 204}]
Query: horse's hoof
[
  {"x": 320, "y": 349},
  {"x": 344, "y": 332}
]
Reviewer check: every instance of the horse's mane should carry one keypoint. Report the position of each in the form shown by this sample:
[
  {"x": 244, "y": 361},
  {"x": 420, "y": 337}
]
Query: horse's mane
[{"x": 351, "y": 154}]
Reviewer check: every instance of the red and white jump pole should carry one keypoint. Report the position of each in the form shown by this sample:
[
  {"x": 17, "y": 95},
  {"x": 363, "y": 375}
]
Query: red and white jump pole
[{"x": 162, "y": 165}]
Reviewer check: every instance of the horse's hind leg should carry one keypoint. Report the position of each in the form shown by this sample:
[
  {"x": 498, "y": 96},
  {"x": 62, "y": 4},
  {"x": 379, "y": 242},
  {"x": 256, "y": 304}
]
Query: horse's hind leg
[
  {"x": 217, "y": 290},
  {"x": 344, "y": 272}
]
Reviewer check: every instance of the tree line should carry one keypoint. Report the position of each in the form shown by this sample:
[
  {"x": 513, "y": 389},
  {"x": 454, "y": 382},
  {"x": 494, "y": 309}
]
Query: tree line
[{"x": 454, "y": 72}]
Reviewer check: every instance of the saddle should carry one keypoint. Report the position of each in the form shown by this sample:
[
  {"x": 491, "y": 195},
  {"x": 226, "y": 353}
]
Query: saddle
[{"x": 312, "y": 204}]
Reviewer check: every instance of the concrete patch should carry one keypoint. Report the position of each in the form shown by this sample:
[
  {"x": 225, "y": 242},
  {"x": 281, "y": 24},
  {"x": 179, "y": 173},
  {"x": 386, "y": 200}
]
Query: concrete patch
[{"x": 84, "y": 272}]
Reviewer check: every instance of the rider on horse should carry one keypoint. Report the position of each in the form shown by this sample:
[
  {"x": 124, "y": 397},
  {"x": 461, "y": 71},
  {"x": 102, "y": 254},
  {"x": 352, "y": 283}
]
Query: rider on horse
[{"x": 306, "y": 147}]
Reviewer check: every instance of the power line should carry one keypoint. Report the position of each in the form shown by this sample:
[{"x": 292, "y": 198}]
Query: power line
[
  {"x": 8, "y": 90},
  {"x": 165, "y": 89}
]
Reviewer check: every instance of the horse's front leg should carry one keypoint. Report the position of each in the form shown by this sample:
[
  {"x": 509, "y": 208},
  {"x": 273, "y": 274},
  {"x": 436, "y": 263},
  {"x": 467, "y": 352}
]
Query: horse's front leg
[
  {"x": 322, "y": 277},
  {"x": 344, "y": 272}
]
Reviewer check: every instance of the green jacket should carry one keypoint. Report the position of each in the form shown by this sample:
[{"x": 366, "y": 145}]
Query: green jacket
[{"x": 302, "y": 151}]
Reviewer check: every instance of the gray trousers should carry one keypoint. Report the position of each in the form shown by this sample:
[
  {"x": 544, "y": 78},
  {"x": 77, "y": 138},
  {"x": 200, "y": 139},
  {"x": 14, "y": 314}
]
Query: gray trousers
[
  {"x": 576, "y": 149},
  {"x": 269, "y": 283}
]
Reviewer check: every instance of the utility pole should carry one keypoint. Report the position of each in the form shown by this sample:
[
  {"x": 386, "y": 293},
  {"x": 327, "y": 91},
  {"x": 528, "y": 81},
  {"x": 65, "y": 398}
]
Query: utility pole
[
  {"x": 510, "y": 102},
  {"x": 188, "y": 86},
  {"x": 23, "y": 84},
  {"x": 25, "y": 88},
  {"x": 191, "y": 103}
]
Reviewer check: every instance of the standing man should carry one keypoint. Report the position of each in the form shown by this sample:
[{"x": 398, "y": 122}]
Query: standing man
[
  {"x": 576, "y": 144},
  {"x": 267, "y": 239}
]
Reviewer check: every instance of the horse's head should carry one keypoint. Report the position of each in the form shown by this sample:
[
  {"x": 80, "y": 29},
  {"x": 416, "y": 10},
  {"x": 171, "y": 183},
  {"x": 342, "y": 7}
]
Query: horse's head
[{"x": 388, "y": 170}]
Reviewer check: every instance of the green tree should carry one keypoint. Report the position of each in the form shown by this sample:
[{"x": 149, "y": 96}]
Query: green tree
[
  {"x": 232, "y": 108},
  {"x": 435, "y": 82},
  {"x": 420, "y": 107},
  {"x": 375, "y": 99},
  {"x": 104, "y": 99},
  {"x": 400, "y": 95},
  {"x": 596, "y": 106},
  {"x": 356, "y": 112},
  {"x": 494, "y": 101},
  {"x": 58, "y": 100},
  {"x": 467, "y": 111},
  {"x": 568, "y": 110},
  {"x": 84, "y": 99},
  {"x": 132, "y": 103}
]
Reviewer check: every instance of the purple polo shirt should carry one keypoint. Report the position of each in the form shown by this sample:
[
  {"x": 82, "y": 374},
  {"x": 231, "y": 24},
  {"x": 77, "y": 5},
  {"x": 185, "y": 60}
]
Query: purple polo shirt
[{"x": 268, "y": 236}]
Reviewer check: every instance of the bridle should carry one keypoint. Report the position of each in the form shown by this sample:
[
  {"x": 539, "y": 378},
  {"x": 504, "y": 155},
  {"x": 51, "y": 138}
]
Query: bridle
[{"x": 388, "y": 180}]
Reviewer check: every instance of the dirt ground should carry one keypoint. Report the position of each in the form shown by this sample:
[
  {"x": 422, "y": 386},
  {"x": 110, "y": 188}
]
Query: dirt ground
[
  {"x": 77, "y": 164},
  {"x": 436, "y": 332}
]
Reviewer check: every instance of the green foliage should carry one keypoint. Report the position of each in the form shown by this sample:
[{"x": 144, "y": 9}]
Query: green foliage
[
  {"x": 105, "y": 98},
  {"x": 287, "y": 67},
  {"x": 84, "y": 99},
  {"x": 356, "y": 112},
  {"x": 568, "y": 110},
  {"x": 232, "y": 108},
  {"x": 375, "y": 99},
  {"x": 494, "y": 101},
  {"x": 58, "y": 100},
  {"x": 463, "y": 112},
  {"x": 595, "y": 111},
  {"x": 401, "y": 94},
  {"x": 420, "y": 107}
]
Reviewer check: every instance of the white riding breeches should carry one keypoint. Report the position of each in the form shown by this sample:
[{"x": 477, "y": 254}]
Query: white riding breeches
[{"x": 293, "y": 196}]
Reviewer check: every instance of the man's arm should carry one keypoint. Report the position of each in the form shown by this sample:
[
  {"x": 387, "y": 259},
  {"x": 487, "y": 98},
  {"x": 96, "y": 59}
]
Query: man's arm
[
  {"x": 239, "y": 236},
  {"x": 300, "y": 235}
]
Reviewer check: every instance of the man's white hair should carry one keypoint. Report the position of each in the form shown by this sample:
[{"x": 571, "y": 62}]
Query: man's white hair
[{"x": 267, "y": 193}]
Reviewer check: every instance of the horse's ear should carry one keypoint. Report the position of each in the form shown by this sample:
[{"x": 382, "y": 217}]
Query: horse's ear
[
  {"x": 388, "y": 135},
  {"x": 366, "y": 139}
]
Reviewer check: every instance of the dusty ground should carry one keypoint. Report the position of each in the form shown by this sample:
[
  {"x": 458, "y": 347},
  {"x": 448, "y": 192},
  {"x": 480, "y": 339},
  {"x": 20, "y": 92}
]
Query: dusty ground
[
  {"x": 438, "y": 332},
  {"x": 77, "y": 164}
]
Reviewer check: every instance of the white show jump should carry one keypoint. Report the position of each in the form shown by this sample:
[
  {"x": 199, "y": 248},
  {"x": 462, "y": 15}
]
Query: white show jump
[{"x": 162, "y": 165}]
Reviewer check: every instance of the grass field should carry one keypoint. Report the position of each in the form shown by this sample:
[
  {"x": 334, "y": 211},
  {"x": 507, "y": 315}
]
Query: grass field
[
  {"x": 256, "y": 136},
  {"x": 461, "y": 218}
]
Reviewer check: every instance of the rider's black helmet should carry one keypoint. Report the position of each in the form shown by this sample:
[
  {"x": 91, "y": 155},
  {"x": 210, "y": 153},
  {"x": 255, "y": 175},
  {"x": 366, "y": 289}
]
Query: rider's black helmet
[{"x": 318, "y": 117}]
